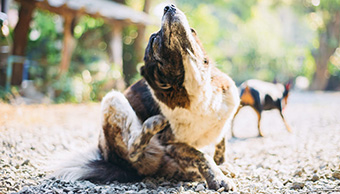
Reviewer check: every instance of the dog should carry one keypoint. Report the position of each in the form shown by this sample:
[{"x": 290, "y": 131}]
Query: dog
[
  {"x": 165, "y": 124},
  {"x": 261, "y": 96}
]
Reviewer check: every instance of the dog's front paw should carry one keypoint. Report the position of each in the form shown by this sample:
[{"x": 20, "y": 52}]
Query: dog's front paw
[
  {"x": 221, "y": 181},
  {"x": 154, "y": 124}
]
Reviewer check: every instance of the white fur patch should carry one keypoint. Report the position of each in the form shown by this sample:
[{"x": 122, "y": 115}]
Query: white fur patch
[
  {"x": 207, "y": 118},
  {"x": 117, "y": 107}
]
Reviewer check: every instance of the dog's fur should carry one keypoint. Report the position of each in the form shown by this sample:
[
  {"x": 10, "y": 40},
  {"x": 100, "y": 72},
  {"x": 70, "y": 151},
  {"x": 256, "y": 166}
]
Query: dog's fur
[
  {"x": 164, "y": 122},
  {"x": 261, "y": 96}
]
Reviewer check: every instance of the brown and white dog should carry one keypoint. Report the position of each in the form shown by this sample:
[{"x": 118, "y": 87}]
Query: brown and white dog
[
  {"x": 163, "y": 123},
  {"x": 261, "y": 96}
]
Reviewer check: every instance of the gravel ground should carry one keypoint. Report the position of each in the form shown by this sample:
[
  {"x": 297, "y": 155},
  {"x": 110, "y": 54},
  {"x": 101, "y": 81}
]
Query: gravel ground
[{"x": 305, "y": 161}]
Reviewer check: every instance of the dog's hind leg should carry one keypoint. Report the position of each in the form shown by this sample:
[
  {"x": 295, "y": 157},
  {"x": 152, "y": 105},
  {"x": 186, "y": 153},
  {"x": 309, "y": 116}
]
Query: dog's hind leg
[
  {"x": 120, "y": 123},
  {"x": 187, "y": 156},
  {"x": 285, "y": 122},
  {"x": 124, "y": 134},
  {"x": 150, "y": 127}
]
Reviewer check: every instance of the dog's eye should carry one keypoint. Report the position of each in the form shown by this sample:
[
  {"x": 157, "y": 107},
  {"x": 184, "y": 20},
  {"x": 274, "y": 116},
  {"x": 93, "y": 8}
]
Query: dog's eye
[
  {"x": 163, "y": 86},
  {"x": 205, "y": 61}
]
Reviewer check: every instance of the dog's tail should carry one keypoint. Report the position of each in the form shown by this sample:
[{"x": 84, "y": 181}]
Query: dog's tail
[{"x": 91, "y": 166}]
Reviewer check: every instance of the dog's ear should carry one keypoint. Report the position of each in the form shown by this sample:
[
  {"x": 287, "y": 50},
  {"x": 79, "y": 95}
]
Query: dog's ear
[
  {"x": 194, "y": 34},
  {"x": 288, "y": 85},
  {"x": 193, "y": 31}
]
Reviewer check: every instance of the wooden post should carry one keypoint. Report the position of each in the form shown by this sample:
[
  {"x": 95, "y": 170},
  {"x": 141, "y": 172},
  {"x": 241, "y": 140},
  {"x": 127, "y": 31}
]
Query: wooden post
[
  {"x": 68, "y": 44},
  {"x": 117, "y": 44},
  {"x": 21, "y": 38}
]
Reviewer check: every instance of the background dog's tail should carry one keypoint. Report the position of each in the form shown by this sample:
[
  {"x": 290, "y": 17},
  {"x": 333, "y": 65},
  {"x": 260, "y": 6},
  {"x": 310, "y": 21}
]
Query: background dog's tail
[{"x": 91, "y": 166}]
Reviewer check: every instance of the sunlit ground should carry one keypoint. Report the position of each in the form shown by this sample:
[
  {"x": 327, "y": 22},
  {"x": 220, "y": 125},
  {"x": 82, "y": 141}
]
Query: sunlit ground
[{"x": 30, "y": 135}]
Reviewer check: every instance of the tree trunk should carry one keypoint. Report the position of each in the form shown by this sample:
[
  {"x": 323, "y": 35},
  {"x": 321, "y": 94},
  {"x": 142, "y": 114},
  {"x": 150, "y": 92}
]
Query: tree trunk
[
  {"x": 69, "y": 44},
  {"x": 129, "y": 69},
  {"x": 138, "y": 46},
  {"x": 329, "y": 41},
  {"x": 21, "y": 37}
]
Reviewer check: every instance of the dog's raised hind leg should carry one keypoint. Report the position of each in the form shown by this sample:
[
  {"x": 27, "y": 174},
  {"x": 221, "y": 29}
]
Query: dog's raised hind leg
[{"x": 150, "y": 127}]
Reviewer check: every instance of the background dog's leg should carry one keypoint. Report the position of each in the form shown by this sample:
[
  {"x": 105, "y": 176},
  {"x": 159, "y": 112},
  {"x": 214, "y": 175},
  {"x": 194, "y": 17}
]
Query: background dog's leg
[
  {"x": 187, "y": 156},
  {"x": 285, "y": 122},
  {"x": 150, "y": 127},
  {"x": 258, "y": 121},
  {"x": 232, "y": 121}
]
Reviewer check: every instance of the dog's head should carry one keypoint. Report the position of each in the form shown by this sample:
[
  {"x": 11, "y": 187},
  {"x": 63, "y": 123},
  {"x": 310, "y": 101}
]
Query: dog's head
[
  {"x": 166, "y": 55},
  {"x": 284, "y": 99}
]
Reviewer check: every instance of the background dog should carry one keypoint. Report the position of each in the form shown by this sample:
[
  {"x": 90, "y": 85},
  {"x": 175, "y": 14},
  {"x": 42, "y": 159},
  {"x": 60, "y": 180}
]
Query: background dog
[
  {"x": 164, "y": 124},
  {"x": 262, "y": 96}
]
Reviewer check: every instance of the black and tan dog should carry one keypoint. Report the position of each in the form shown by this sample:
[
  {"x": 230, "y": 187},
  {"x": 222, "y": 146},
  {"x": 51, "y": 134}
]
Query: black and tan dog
[
  {"x": 163, "y": 124},
  {"x": 261, "y": 96}
]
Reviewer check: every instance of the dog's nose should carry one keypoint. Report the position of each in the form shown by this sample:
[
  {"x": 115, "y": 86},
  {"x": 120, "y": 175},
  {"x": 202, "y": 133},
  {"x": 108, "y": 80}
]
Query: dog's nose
[{"x": 171, "y": 7}]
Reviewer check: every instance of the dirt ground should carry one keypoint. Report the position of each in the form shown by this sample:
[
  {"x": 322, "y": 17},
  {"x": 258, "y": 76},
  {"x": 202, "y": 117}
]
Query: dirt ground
[{"x": 305, "y": 161}]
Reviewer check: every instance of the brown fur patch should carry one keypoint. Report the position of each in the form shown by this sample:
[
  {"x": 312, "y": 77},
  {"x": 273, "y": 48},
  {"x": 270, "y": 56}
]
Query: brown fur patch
[
  {"x": 174, "y": 98},
  {"x": 219, "y": 152},
  {"x": 141, "y": 100},
  {"x": 247, "y": 98}
]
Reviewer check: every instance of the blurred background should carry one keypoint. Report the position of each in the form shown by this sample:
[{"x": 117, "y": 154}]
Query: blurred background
[{"x": 77, "y": 50}]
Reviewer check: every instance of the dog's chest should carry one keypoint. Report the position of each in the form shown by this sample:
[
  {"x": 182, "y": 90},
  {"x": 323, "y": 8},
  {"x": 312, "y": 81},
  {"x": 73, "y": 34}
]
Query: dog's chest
[{"x": 200, "y": 124}]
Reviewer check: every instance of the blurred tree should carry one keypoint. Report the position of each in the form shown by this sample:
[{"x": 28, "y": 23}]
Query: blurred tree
[
  {"x": 252, "y": 38},
  {"x": 135, "y": 51},
  {"x": 325, "y": 15}
]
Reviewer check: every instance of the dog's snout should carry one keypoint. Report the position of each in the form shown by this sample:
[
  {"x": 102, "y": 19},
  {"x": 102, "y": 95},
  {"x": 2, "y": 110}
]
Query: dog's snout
[{"x": 170, "y": 8}]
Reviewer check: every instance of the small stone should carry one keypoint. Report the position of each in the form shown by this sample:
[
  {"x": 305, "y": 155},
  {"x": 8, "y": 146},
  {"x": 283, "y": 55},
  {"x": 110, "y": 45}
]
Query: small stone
[
  {"x": 221, "y": 189},
  {"x": 142, "y": 185},
  {"x": 315, "y": 177},
  {"x": 166, "y": 183},
  {"x": 26, "y": 162},
  {"x": 151, "y": 185},
  {"x": 134, "y": 187},
  {"x": 199, "y": 187},
  {"x": 336, "y": 174},
  {"x": 143, "y": 191},
  {"x": 298, "y": 173},
  {"x": 297, "y": 185}
]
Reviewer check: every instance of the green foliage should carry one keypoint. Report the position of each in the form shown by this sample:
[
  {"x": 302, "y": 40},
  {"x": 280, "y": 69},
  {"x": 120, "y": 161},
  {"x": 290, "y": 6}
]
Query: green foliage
[
  {"x": 252, "y": 39},
  {"x": 262, "y": 39},
  {"x": 90, "y": 74}
]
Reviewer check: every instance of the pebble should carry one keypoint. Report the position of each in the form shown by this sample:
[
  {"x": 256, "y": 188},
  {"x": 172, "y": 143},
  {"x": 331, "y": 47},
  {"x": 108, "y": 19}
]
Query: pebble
[
  {"x": 336, "y": 174},
  {"x": 297, "y": 185},
  {"x": 200, "y": 187},
  {"x": 26, "y": 162},
  {"x": 315, "y": 177},
  {"x": 221, "y": 189},
  {"x": 298, "y": 173}
]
